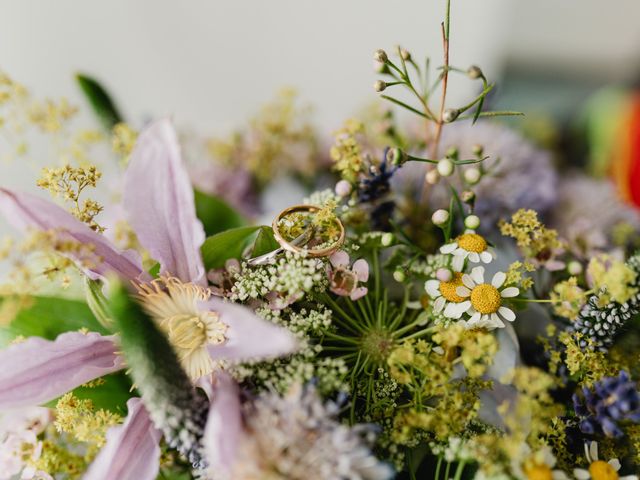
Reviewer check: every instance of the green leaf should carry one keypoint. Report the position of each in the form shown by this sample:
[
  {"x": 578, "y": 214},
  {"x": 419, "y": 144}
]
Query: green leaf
[
  {"x": 265, "y": 242},
  {"x": 100, "y": 101},
  {"x": 215, "y": 214},
  {"x": 220, "y": 247},
  {"x": 48, "y": 317}
]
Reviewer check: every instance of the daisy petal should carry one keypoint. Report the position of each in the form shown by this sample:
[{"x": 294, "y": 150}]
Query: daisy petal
[
  {"x": 432, "y": 287},
  {"x": 498, "y": 279},
  {"x": 509, "y": 292},
  {"x": 132, "y": 449},
  {"x": 593, "y": 451},
  {"x": 468, "y": 282},
  {"x": 486, "y": 257},
  {"x": 438, "y": 305},
  {"x": 448, "y": 248},
  {"x": 477, "y": 273},
  {"x": 158, "y": 197},
  {"x": 457, "y": 263},
  {"x": 615, "y": 463},
  {"x": 475, "y": 318},
  {"x": 581, "y": 474},
  {"x": 507, "y": 314},
  {"x": 463, "y": 291},
  {"x": 474, "y": 257}
]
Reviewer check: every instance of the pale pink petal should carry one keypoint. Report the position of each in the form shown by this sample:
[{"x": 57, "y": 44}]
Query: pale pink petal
[
  {"x": 38, "y": 370},
  {"x": 132, "y": 450},
  {"x": 339, "y": 259},
  {"x": 25, "y": 211},
  {"x": 358, "y": 293},
  {"x": 509, "y": 292},
  {"x": 248, "y": 336},
  {"x": 361, "y": 269},
  {"x": 224, "y": 426},
  {"x": 158, "y": 197},
  {"x": 554, "y": 265}
]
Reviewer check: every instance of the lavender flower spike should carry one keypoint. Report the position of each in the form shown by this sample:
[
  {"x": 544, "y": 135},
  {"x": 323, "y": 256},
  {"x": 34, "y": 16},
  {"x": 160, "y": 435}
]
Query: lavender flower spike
[
  {"x": 159, "y": 199},
  {"x": 132, "y": 449},
  {"x": 38, "y": 370}
]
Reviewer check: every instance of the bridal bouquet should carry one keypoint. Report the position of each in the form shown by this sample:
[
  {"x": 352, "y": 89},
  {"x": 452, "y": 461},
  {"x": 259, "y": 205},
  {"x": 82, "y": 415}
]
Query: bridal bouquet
[{"x": 444, "y": 304}]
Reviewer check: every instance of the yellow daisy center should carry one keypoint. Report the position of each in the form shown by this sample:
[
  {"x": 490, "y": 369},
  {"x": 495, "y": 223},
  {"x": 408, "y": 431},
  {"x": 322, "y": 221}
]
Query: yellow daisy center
[
  {"x": 448, "y": 289},
  {"x": 538, "y": 472},
  {"x": 600, "y": 470},
  {"x": 472, "y": 242},
  {"x": 486, "y": 298}
]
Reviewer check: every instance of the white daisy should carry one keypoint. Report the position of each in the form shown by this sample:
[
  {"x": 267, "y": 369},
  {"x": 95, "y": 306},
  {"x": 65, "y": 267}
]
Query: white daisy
[
  {"x": 536, "y": 465},
  {"x": 444, "y": 293},
  {"x": 599, "y": 469},
  {"x": 483, "y": 301},
  {"x": 468, "y": 245}
]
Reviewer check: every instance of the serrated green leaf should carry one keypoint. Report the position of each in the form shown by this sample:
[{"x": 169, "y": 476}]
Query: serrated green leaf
[
  {"x": 48, "y": 317},
  {"x": 265, "y": 242},
  {"x": 215, "y": 214},
  {"x": 219, "y": 248},
  {"x": 102, "y": 104}
]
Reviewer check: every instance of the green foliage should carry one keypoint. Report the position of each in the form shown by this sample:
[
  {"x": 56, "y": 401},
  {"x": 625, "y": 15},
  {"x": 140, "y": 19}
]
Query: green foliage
[
  {"x": 265, "y": 242},
  {"x": 48, "y": 317},
  {"x": 102, "y": 104},
  {"x": 225, "y": 245},
  {"x": 215, "y": 214}
]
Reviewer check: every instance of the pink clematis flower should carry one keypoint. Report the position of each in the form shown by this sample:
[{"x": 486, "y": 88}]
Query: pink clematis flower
[
  {"x": 159, "y": 200},
  {"x": 344, "y": 279}
]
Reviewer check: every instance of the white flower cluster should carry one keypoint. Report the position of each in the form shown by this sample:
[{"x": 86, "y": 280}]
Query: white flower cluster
[
  {"x": 288, "y": 279},
  {"x": 297, "y": 437}
]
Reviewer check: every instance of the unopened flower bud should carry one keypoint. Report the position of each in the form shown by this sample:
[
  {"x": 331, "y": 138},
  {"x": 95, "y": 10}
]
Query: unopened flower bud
[
  {"x": 343, "y": 188},
  {"x": 386, "y": 239},
  {"x": 440, "y": 217},
  {"x": 472, "y": 222},
  {"x": 474, "y": 72},
  {"x": 395, "y": 156},
  {"x": 432, "y": 177},
  {"x": 399, "y": 276},
  {"x": 380, "y": 85},
  {"x": 444, "y": 274},
  {"x": 574, "y": 268},
  {"x": 405, "y": 55},
  {"x": 450, "y": 114},
  {"x": 477, "y": 150},
  {"x": 380, "y": 56},
  {"x": 445, "y": 167},
  {"x": 452, "y": 152},
  {"x": 379, "y": 67},
  {"x": 468, "y": 197},
  {"x": 472, "y": 175}
]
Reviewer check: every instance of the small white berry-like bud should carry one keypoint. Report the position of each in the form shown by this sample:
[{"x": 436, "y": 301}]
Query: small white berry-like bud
[
  {"x": 440, "y": 217},
  {"x": 404, "y": 54},
  {"x": 380, "y": 56},
  {"x": 474, "y": 72},
  {"x": 432, "y": 177},
  {"x": 445, "y": 167},
  {"x": 449, "y": 115},
  {"x": 343, "y": 188},
  {"x": 468, "y": 196},
  {"x": 574, "y": 268},
  {"x": 444, "y": 274},
  {"x": 477, "y": 150},
  {"x": 380, "y": 85},
  {"x": 386, "y": 239},
  {"x": 472, "y": 222},
  {"x": 399, "y": 276},
  {"x": 472, "y": 175}
]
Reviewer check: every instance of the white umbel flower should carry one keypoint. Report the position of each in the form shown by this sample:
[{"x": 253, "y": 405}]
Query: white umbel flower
[
  {"x": 483, "y": 301},
  {"x": 468, "y": 245},
  {"x": 599, "y": 469}
]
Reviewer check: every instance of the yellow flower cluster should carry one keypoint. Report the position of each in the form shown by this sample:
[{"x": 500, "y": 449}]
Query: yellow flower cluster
[
  {"x": 567, "y": 298},
  {"x": 613, "y": 278},
  {"x": 123, "y": 138},
  {"x": 69, "y": 182},
  {"x": 586, "y": 365},
  {"x": 280, "y": 138},
  {"x": 347, "y": 153},
  {"x": 78, "y": 418},
  {"x": 56, "y": 458},
  {"x": 516, "y": 275},
  {"x": 534, "y": 239},
  {"x": 50, "y": 116}
]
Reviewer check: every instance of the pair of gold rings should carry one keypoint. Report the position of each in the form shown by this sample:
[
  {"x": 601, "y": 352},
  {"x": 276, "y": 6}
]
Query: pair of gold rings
[{"x": 296, "y": 231}]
